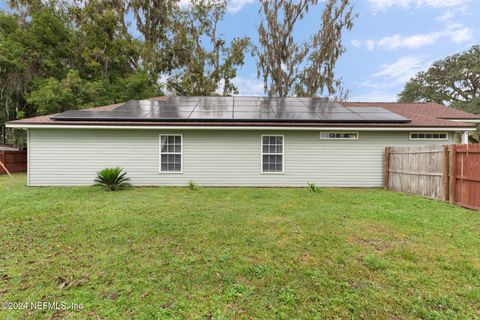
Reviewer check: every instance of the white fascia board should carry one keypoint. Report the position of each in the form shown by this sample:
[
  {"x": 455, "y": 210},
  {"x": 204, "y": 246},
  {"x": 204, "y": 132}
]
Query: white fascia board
[
  {"x": 465, "y": 120},
  {"x": 283, "y": 128}
]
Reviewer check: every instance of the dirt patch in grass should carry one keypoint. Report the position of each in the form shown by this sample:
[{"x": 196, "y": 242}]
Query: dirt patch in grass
[{"x": 376, "y": 244}]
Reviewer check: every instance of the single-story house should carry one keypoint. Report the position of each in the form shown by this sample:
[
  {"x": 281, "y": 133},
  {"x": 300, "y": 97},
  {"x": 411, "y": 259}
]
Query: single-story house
[{"x": 234, "y": 141}]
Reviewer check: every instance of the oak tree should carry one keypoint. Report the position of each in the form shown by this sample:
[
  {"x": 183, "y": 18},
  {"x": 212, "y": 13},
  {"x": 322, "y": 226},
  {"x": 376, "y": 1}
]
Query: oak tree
[{"x": 454, "y": 81}]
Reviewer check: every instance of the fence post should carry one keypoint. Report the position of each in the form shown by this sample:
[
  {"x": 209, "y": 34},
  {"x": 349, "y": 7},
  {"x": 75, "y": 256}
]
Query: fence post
[
  {"x": 4, "y": 167},
  {"x": 453, "y": 173},
  {"x": 2, "y": 159},
  {"x": 386, "y": 167},
  {"x": 445, "y": 173}
]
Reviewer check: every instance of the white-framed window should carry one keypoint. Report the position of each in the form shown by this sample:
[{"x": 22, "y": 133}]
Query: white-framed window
[
  {"x": 428, "y": 136},
  {"x": 171, "y": 153},
  {"x": 272, "y": 153},
  {"x": 339, "y": 135}
]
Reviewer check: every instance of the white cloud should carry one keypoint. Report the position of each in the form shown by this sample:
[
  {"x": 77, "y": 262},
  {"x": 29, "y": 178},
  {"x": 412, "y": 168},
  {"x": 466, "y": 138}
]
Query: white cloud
[
  {"x": 374, "y": 85},
  {"x": 451, "y": 13},
  {"x": 402, "y": 70},
  {"x": 233, "y": 6},
  {"x": 456, "y": 33},
  {"x": 462, "y": 35},
  {"x": 249, "y": 86},
  {"x": 411, "y": 42},
  {"x": 447, "y": 16},
  {"x": 237, "y": 5},
  {"x": 370, "y": 44},
  {"x": 357, "y": 43},
  {"x": 388, "y": 80},
  {"x": 380, "y": 5},
  {"x": 374, "y": 96}
]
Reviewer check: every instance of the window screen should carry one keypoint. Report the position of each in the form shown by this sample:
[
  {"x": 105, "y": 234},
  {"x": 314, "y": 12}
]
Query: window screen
[
  {"x": 171, "y": 153},
  {"x": 428, "y": 136},
  {"x": 272, "y": 154},
  {"x": 339, "y": 135}
]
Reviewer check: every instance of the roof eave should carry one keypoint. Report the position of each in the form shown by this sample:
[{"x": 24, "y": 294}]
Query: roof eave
[
  {"x": 300, "y": 126},
  {"x": 469, "y": 120}
]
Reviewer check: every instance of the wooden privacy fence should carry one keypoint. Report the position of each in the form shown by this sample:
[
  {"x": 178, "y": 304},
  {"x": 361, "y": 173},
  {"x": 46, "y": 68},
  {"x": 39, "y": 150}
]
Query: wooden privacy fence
[
  {"x": 14, "y": 161},
  {"x": 465, "y": 170},
  {"x": 438, "y": 172}
]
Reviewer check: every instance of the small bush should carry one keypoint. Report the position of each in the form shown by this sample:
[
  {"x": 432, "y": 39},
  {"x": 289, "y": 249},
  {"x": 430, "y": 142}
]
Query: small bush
[
  {"x": 192, "y": 185},
  {"x": 312, "y": 187},
  {"x": 112, "y": 178}
]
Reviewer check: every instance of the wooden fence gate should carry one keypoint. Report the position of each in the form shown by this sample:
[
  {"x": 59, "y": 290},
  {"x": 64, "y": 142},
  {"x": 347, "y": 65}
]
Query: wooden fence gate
[
  {"x": 15, "y": 161},
  {"x": 465, "y": 170},
  {"x": 437, "y": 172}
]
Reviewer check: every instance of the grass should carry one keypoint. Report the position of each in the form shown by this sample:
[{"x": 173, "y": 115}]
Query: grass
[{"x": 241, "y": 253}]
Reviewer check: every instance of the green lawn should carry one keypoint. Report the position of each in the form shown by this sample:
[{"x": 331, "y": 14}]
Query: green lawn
[{"x": 242, "y": 253}]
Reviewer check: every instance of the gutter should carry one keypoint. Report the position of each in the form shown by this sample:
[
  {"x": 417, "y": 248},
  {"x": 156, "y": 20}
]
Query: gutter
[
  {"x": 289, "y": 128},
  {"x": 464, "y": 120}
]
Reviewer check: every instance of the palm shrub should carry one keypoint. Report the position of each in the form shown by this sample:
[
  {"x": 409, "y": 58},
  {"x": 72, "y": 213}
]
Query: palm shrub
[{"x": 112, "y": 178}]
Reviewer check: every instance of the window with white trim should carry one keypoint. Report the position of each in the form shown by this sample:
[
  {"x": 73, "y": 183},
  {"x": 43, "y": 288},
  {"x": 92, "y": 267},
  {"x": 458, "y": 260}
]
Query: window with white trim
[
  {"x": 272, "y": 154},
  {"x": 428, "y": 136},
  {"x": 339, "y": 135},
  {"x": 171, "y": 153}
]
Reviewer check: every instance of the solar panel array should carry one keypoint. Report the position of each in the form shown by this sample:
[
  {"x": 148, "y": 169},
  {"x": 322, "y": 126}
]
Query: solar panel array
[{"x": 235, "y": 109}]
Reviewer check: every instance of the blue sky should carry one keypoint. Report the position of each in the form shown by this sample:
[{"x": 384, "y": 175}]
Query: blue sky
[{"x": 390, "y": 42}]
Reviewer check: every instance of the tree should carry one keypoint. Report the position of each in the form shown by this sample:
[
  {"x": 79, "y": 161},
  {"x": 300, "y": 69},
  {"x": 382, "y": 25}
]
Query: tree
[
  {"x": 51, "y": 95},
  {"x": 156, "y": 20},
  {"x": 32, "y": 46},
  {"x": 209, "y": 64},
  {"x": 453, "y": 81},
  {"x": 304, "y": 68},
  {"x": 12, "y": 65},
  {"x": 105, "y": 47},
  {"x": 59, "y": 54}
]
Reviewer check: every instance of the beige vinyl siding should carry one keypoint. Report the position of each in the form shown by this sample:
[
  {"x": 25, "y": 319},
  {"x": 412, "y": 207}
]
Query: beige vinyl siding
[{"x": 210, "y": 158}]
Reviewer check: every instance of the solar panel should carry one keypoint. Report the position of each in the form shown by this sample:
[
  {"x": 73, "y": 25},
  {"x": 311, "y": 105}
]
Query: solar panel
[
  {"x": 134, "y": 105},
  {"x": 248, "y": 108},
  {"x": 288, "y": 109},
  {"x": 340, "y": 117},
  {"x": 99, "y": 115},
  {"x": 329, "y": 109},
  {"x": 211, "y": 115},
  {"x": 239, "y": 115},
  {"x": 214, "y": 108},
  {"x": 172, "y": 108},
  {"x": 297, "y": 116},
  {"x": 235, "y": 109},
  {"x": 165, "y": 114}
]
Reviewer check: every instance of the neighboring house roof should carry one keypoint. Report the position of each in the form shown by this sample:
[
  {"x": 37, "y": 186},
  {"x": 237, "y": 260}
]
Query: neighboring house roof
[
  {"x": 428, "y": 109},
  {"x": 430, "y": 115}
]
